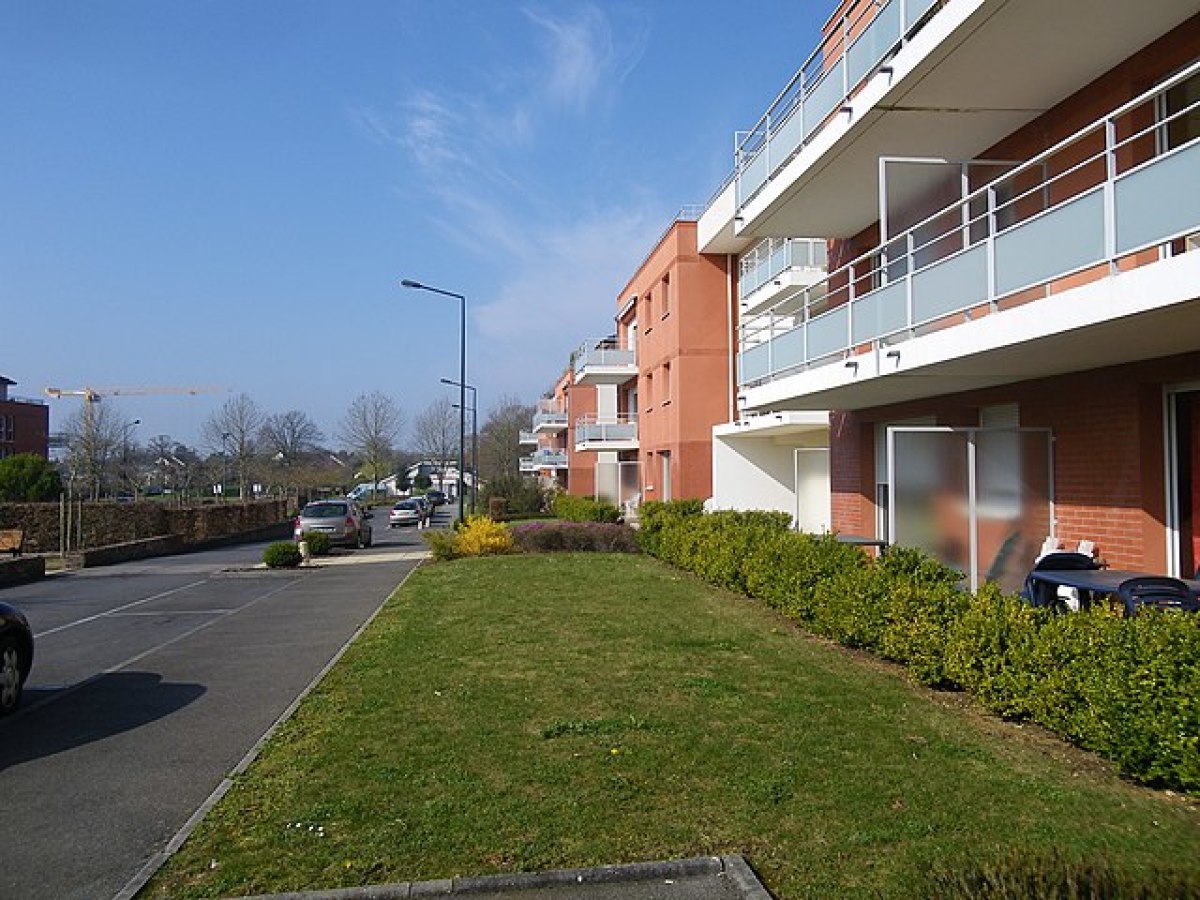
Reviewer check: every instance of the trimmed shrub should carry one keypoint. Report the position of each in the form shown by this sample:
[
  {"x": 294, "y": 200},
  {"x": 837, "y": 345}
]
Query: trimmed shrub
[
  {"x": 318, "y": 542},
  {"x": 602, "y": 537},
  {"x": 442, "y": 544},
  {"x": 656, "y": 515},
  {"x": 584, "y": 509},
  {"x": 522, "y": 496},
  {"x": 281, "y": 555}
]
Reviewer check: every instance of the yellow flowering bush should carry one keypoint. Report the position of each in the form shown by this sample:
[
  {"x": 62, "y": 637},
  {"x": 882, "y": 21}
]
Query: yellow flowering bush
[{"x": 480, "y": 536}]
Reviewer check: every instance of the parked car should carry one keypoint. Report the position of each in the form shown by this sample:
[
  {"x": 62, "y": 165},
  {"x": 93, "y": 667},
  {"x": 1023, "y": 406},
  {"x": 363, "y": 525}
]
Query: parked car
[
  {"x": 16, "y": 656},
  {"x": 406, "y": 512},
  {"x": 436, "y": 497},
  {"x": 426, "y": 506},
  {"x": 341, "y": 520}
]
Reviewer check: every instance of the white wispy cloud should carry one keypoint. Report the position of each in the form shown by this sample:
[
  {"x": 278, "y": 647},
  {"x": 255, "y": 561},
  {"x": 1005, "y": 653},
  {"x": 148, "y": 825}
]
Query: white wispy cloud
[{"x": 559, "y": 256}]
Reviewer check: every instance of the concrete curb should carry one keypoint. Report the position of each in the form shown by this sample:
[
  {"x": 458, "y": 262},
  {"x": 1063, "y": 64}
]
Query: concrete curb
[{"x": 733, "y": 867}]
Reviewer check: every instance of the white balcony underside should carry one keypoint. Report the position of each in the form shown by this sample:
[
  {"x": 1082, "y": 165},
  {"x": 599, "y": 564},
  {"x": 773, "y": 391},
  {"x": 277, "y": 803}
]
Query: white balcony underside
[
  {"x": 595, "y": 375},
  {"x": 1147, "y": 313},
  {"x": 600, "y": 445},
  {"x": 978, "y": 71},
  {"x": 549, "y": 427}
]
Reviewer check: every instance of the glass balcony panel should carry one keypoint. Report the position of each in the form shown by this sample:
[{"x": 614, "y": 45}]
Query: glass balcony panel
[
  {"x": 788, "y": 137},
  {"x": 787, "y": 350},
  {"x": 752, "y": 177},
  {"x": 874, "y": 44},
  {"x": 827, "y": 334},
  {"x": 954, "y": 284},
  {"x": 1065, "y": 239},
  {"x": 914, "y": 10},
  {"x": 879, "y": 313},
  {"x": 824, "y": 99},
  {"x": 1159, "y": 201},
  {"x": 755, "y": 363}
]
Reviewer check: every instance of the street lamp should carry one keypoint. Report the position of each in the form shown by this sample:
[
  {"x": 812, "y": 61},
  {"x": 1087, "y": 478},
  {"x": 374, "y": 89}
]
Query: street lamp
[
  {"x": 462, "y": 381},
  {"x": 474, "y": 441}
]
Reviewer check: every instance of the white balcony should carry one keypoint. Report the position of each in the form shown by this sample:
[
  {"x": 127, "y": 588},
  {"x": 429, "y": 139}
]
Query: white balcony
[
  {"x": 528, "y": 464},
  {"x": 1032, "y": 275},
  {"x": 606, "y": 433},
  {"x": 551, "y": 416},
  {"x": 526, "y": 438},
  {"x": 604, "y": 362},
  {"x": 777, "y": 267},
  {"x": 914, "y": 78},
  {"x": 550, "y": 459}
]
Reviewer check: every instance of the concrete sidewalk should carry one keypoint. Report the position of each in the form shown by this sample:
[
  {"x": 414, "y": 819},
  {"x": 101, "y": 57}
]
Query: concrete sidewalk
[{"x": 698, "y": 878}]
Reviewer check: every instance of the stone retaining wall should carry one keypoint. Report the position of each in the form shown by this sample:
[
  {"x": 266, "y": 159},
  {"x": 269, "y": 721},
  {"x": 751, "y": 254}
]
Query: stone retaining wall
[{"x": 21, "y": 570}]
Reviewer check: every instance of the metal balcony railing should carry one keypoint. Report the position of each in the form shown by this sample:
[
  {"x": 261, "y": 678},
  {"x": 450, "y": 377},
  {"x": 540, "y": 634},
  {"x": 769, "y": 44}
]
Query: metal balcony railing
[
  {"x": 769, "y": 259},
  {"x": 603, "y": 354},
  {"x": 1128, "y": 182},
  {"x": 527, "y": 437},
  {"x": 599, "y": 429},
  {"x": 854, "y": 47},
  {"x": 551, "y": 415},
  {"x": 550, "y": 459},
  {"x": 528, "y": 463}
]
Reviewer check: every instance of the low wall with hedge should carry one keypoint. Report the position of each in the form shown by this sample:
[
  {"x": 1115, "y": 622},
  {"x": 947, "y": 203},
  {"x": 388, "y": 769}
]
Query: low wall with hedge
[
  {"x": 21, "y": 570},
  {"x": 1124, "y": 688},
  {"x": 107, "y": 523}
]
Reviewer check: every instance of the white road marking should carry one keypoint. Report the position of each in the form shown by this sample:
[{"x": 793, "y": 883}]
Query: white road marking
[{"x": 86, "y": 619}]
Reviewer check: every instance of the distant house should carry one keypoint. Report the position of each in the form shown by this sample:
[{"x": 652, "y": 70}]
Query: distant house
[{"x": 24, "y": 423}]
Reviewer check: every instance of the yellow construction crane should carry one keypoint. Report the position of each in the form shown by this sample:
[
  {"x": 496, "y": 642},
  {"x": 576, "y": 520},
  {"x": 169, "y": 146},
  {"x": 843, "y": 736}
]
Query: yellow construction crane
[{"x": 95, "y": 395}]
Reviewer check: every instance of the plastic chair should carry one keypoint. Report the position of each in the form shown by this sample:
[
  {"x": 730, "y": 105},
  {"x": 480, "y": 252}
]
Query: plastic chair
[
  {"x": 1156, "y": 592},
  {"x": 1038, "y": 593}
]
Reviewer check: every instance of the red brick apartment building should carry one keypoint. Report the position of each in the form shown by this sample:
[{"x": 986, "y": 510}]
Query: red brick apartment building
[
  {"x": 24, "y": 424},
  {"x": 1008, "y": 336},
  {"x": 641, "y": 403}
]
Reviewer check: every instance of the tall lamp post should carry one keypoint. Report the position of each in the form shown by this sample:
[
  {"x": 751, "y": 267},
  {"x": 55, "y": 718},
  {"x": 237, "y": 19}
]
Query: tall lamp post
[
  {"x": 474, "y": 443},
  {"x": 462, "y": 381}
]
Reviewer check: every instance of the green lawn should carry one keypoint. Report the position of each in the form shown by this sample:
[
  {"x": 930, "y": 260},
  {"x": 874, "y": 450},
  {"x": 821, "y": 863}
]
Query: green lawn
[{"x": 534, "y": 712}]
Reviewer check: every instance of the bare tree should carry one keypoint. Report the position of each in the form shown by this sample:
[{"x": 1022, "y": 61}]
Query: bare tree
[
  {"x": 287, "y": 436},
  {"x": 370, "y": 429},
  {"x": 500, "y": 437},
  {"x": 233, "y": 431},
  {"x": 94, "y": 436},
  {"x": 435, "y": 436}
]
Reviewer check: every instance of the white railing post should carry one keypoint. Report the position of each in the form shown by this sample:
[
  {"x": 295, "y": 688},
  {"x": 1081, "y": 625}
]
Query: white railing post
[
  {"x": 990, "y": 250},
  {"x": 1110, "y": 199}
]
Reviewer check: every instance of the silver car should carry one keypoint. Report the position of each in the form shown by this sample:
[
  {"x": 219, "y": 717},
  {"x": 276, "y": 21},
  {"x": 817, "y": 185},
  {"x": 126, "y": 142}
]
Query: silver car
[
  {"x": 341, "y": 520},
  {"x": 406, "y": 512}
]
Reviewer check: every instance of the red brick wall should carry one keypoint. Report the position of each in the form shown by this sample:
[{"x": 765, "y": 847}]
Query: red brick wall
[{"x": 1108, "y": 429}]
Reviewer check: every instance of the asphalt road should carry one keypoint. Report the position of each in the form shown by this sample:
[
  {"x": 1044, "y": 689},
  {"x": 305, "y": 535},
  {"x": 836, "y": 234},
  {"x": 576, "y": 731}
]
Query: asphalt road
[{"x": 151, "y": 681}]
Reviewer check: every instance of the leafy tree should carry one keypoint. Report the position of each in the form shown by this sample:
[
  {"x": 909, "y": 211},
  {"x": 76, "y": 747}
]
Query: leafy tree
[{"x": 28, "y": 478}]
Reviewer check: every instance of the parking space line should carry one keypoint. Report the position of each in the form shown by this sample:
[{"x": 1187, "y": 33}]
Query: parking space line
[
  {"x": 109, "y": 612},
  {"x": 79, "y": 685}
]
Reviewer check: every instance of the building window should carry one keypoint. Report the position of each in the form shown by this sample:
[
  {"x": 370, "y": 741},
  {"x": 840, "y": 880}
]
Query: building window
[
  {"x": 666, "y": 383},
  {"x": 8, "y": 429},
  {"x": 666, "y": 296}
]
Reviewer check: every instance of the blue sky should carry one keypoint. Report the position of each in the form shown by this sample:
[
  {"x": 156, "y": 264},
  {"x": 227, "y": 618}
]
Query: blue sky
[{"x": 227, "y": 193}]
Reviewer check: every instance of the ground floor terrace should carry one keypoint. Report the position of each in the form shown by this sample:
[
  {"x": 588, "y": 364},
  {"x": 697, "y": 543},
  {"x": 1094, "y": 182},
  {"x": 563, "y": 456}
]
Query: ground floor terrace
[{"x": 982, "y": 478}]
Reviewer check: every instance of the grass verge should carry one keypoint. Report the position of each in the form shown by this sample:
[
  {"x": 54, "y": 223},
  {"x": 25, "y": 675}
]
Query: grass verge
[{"x": 533, "y": 712}]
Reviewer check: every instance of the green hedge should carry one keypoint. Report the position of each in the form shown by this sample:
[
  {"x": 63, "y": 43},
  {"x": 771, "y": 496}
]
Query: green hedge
[
  {"x": 584, "y": 509},
  {"x": 1128, "y": 689}
]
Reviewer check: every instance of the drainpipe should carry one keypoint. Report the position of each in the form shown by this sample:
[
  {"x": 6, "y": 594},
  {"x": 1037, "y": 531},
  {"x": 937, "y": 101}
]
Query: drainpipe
[{"x": 730, "y": 299}]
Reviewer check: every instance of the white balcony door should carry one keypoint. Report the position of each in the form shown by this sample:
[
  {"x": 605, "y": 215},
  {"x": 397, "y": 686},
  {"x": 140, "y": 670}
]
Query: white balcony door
[
  {"x": 977, "y": 499},
  {"x": 1183, "y": 480}
]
